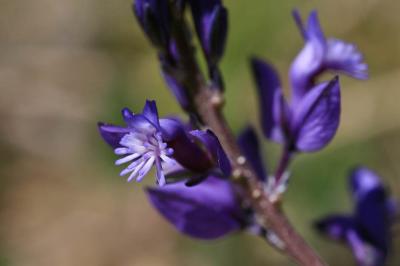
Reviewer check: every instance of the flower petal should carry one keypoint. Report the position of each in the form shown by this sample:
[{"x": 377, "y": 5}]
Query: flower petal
[
  {"x": 127, "y": 115},
  {"x": 268, "y": 84},
  {"x": 140, "y": 123},
  {"x": 316, "y": 117},
  {"x": 362, "y": 181},
  {"x": 213, "y": 146},
  {"x": 210, "y": 19},
  {"x": 209, "y": 210},
  {"x": 373, "y": 217},
  {"x": 112, "y": 134},
  {"x": 335, "y": 226},
  {"x": 345, "y": 57},
  {"x": 250, "y": 148},
  {"x": 151, "y": 113},
  {"x": 186, "y": 152},
  {"x": 310, "y": 59},
  {"x": 217, "y": 34},
  {"x": 371, "y": 212},
  {"x": 154, "y": 18}
]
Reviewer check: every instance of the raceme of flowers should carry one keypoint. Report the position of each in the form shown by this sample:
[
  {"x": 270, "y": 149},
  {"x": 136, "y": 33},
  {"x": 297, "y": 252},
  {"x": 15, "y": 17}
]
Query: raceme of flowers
[{"x": 194, "y": 190}]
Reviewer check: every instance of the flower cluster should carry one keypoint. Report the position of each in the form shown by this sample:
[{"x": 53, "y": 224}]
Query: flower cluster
[
  {"x": 367, "y": 230},
  {"x": 194, "y": 191}
]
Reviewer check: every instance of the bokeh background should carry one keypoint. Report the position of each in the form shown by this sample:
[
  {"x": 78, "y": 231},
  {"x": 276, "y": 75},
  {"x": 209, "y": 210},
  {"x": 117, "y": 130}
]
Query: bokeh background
[{"x": 64, "y": 65}]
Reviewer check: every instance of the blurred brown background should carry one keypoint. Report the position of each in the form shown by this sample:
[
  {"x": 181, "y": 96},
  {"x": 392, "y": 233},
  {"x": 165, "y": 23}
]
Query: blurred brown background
[{"x": 64, "y": 65}]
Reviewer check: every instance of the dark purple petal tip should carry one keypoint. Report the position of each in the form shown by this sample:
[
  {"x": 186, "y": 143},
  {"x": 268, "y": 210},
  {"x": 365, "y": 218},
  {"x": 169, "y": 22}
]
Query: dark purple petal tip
[
  {"x": 211, "y": 23},
  {"x": 111, "y": 134},
  {"x": 154, "y": 18}
]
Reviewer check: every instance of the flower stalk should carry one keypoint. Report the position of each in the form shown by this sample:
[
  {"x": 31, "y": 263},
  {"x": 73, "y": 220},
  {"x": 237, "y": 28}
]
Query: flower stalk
[{"x": 269, "y": 214}]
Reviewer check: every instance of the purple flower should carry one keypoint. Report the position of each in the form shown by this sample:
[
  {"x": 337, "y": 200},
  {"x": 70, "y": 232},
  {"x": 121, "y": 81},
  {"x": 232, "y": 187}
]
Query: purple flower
[
  {"x": 366, "y": 231},
  {"x": 207, "y": 211},
  {"x": 320, "y": 54},
  {"x": 306, "y": 125},
  {"x": 155, "y": 19},
  {"x": 211, "y": 23},
  {"x": 166, "y": 143},
  {"x": 311, "y": 119}
]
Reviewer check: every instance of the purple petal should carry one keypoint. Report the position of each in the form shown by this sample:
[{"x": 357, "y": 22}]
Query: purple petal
[
  {"x": 314, "y": 30},
  {"x": 210, "y": 19},
  {"x": 316, "y": 117},
  {"x": 358, "y": 247},
  {"x": 362, "y": 181},
  {"x": 171, "y": 128},
  {"x": 209, "y": 210},
  {"x": 213, "y": 146},
  {"x": 374, "y": 219},
  {"x": 154, "y": 18},
  {"x": 371, "y": 212},
  {"x": 140, "y": 123},
  {"x": 250, "y": 148},
  {"x": 186, "y": 151},
  {"x": 309, "y": 61},
  {"x": 299, "y": 23},
  {"x": 268, "y": 84},
  {"x": 127, "y": 115},
  {"x": 345, "y": 57},
  {"x": 151, "y": 113},
  {"x": 335, "y": 226},
  {"x": 216, "y": 34},
  {"x": 112, "y": 134}
]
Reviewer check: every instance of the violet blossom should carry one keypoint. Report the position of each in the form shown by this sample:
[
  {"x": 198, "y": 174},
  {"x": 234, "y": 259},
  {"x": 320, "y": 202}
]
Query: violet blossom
[
  {"x": 307, "y": 125},
  {"x": 166, "y": 143},
  {"x": 319, "y": 55},
  {"x": 310, "y": 120},
  {"x": 367, "y": 229}
]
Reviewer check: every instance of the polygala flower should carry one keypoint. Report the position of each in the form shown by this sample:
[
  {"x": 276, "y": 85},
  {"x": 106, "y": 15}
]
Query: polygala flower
[
  {"x": 166, "y": 143},
  {"x": 306, "y": 125},
  {"x": 367, "y": 230},
  {"x": 309, "y": 121},
  {"x": 320, "y": 54}
]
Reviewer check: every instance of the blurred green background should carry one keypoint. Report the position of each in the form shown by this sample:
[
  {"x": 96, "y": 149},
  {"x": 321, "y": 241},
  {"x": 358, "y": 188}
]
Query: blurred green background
[{"x": 64, "y": 65}]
